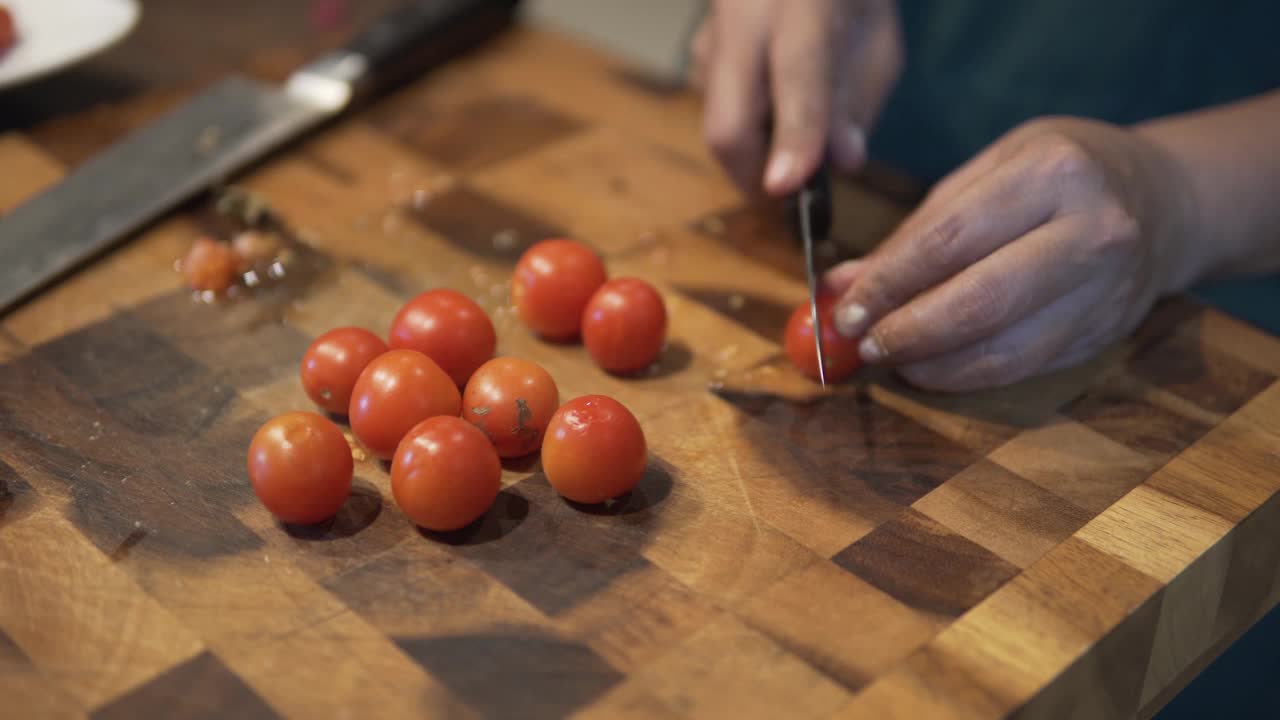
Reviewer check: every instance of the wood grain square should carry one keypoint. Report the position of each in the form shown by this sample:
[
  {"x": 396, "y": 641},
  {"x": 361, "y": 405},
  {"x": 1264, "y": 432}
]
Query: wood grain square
[
  {"x": 476, "y": 133},
  {"x": 1252, "y": 570},
  {"x": 90, "y": 657},
  {"x": 1075, "y": 463},
  {"x": 757, "y": 231},
  {"x": 1116, "y": 409},
  {"x": 514, "y": 671},
  {"x": 838, "y": 623},
  {"x": 939, "y": 684},
  {"x": 480, "y": 225},
  {"x": 859, "y": 443},
  {"x": 926, "y": 566},
  {"x": 420, "y": 589},
  {"x": 1185, "y": 365},
  {"x": 1183, "y": 628},
  {"x": 144, "y": 382},
  {"x": 637, "y": 618},
  {"x": 201, "y": 687},
  {"x": 610, "y": 188},
  {"x": 557, "y": 557},
  {"x": 122, "y": 488},
  {"x": 728, "y": 670},
  {"x": 244, "y": 341},
  {"x": 1258, "y": 349},
  {"x": 1105, "y": 683},
  {"x": 28, "y": 170},
  {"x": 1008, "y": 515},
  {"x": 1154, "y": 532}
]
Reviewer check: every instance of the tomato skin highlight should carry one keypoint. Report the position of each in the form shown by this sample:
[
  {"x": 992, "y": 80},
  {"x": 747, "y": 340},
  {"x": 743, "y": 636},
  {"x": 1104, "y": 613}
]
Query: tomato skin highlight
[
  {"x": 300, "y": 466},
  {"x": 842, "y": 358},
  {"x": 396, "y": 391},
  {"x": 511, "y": 401},
  {"x": 552, "y": 283},
  {"x": 624, "y": 325},
  {"x": 447, "y": 327},
  {"x": 334, "y": 361},
  {"x": 445, "y": 474},
  {"x": 594, "y": 450}
]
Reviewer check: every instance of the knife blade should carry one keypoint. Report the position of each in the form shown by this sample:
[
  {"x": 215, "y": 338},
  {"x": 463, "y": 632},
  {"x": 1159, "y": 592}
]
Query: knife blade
[
  {"x": 225, "y": 128},
  {"x": 813, "y": 210}
]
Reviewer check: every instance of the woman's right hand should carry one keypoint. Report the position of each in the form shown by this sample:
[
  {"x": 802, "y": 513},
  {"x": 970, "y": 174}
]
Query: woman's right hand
[{"x": 816, "y": 71}]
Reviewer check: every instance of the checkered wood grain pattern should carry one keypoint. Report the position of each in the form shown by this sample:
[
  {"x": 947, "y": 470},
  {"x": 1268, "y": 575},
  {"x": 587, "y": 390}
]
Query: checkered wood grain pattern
[{"x": 1077, "y": 546}]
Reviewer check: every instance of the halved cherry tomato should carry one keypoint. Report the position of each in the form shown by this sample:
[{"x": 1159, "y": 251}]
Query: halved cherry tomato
[
  {"x": 625, "y": 325},
  {"x": 594, "y": 450},
  {"x": 842, "y": 359},
  {"x": 512, "y": 401},
  {"x": 445, "y": 474},
  {"x": 396, "y": 391},
  {"x": 210, "y": 265},
  {"x": 553, "y": 281},
  {"x": 300, "y": 466},
  {"x": 334, "y": 361},
  {"x": 447, "y": 327}
]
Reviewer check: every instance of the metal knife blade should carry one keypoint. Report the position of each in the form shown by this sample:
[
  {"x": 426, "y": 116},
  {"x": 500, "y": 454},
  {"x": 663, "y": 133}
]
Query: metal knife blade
[
  {"x": 222, "y": 130},
  {"x": 814, "y": 210}
]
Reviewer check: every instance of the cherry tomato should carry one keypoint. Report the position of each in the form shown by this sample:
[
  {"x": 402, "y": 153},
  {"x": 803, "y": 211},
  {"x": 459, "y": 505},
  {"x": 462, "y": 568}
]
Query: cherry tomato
[
  {"x": 447, "y": 327},
  {"x": 553, "y": 281},
  {"x": 334, "y": 361},
  {"x": 396, "y": 391},
  {"x": 625, "y": 325},
  {"x": 445, "y": 474},
  {"x": 594, "y": 449},
  {"x": 512, "y": 401},
  {"x": 8, "y": 33},
  {"x": 300, "y": 466},
  {"x": 210, "y": 265},
  {"x": 842, "y": 359}
]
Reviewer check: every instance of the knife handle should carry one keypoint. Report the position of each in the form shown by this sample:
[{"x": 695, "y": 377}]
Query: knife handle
[
  {"x": 423, "y": 33},
  {"x": 818, "y": 186}
]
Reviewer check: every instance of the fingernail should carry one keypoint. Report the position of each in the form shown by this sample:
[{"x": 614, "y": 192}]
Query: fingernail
[
  {"x": 779, "y": 168},
  {"x": 849, "y": 320},
  {"x": 871, "y": 350}
]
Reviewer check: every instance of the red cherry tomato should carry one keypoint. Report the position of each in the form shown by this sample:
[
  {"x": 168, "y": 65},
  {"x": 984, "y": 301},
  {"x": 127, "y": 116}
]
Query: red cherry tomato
[
  {"x": 447, "y": 327},
  {"x": 625, "y": 325},
  {"x": 334, "y": 361},
  {"x": 553, "y": 281},
  {"x": 512, "y": 401},
  {"x": 842, "y": 359},
  {"x": 445, "y": 474},
  {"x": 594, "y": 450},
  {"x": 8, "y": 33},
  {"x": 300, "y": 466},
  {"x": 396, "y": 391},
  {"x": 210, "y": 265}
]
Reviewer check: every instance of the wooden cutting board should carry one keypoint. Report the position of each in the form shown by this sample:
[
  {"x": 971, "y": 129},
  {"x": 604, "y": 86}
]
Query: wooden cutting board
[{"x": 1078, "y": 546}]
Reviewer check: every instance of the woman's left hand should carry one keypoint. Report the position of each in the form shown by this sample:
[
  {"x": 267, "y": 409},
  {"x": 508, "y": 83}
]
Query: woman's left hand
[{"x": 1047, "y": 247}]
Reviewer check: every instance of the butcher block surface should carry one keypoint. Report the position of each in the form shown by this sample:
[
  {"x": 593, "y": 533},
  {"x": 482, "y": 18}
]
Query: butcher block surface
[{"x": 1076, "y": 546}]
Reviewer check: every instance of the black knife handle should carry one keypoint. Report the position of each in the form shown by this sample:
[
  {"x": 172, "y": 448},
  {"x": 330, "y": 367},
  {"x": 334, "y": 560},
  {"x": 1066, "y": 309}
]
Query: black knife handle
[
  {"x": 422, "y": 33},
  {"x": 820, "y": 206}
]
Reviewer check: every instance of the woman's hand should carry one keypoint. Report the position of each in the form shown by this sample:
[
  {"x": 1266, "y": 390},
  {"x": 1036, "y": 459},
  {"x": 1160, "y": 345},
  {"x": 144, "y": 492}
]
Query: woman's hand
[
  {"x": 817, "y": 71},
  {"x": 1048, "y": 246}
]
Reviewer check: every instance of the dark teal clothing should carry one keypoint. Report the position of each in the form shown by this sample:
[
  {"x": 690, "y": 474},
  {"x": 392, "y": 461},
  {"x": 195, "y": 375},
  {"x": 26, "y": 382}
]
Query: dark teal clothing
[{"x": 977, "y": 68}]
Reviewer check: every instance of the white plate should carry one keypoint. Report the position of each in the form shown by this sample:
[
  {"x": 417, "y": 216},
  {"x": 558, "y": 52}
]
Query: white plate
[{"x": 53, "y": 34}]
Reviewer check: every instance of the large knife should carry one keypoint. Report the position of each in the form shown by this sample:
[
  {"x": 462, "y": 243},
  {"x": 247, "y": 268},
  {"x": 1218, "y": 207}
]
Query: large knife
[
  {"x": 227, "y": 127},
  {"x": 813, "y": 210}
]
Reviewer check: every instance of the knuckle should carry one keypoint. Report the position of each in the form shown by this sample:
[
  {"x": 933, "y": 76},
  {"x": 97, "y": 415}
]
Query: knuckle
[
  {"x": 877, "y": 292},
  {"x": 943, "y": 242},
  {"x": 1061, "y": 158}
]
